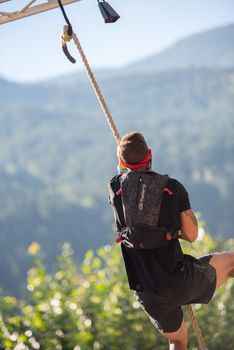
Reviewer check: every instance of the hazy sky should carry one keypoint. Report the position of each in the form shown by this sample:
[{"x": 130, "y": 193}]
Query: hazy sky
[{"x": 30, "y": 47}]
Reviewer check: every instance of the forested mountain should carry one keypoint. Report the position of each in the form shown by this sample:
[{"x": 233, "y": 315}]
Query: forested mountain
[{"x": 57, "y": 154}]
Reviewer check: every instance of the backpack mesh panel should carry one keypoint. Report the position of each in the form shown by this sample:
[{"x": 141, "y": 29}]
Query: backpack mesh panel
[{"x": 142, "y": 195}]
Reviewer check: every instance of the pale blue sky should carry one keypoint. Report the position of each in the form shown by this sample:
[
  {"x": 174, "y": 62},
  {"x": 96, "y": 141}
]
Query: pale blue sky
[{"x": 30, "y": 47}]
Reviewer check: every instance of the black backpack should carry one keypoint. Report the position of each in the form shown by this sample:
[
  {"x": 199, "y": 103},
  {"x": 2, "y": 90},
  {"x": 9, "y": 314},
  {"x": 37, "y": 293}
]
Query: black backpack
[{"x": 141, "y": 202}]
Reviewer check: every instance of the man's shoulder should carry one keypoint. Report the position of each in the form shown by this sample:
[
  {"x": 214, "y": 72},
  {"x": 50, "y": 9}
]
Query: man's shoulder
[
  {"x": 180, "y": 194},
  {"x": 176, "y": 184}
]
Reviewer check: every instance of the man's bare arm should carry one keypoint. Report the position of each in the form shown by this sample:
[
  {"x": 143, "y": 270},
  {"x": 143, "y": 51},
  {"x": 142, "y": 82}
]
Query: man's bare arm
[{"x": 189, "y": 226}]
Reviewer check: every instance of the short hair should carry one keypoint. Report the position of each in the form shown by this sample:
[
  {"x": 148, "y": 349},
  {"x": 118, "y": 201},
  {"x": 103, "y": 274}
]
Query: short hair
[{"x": 132, "y": 148}]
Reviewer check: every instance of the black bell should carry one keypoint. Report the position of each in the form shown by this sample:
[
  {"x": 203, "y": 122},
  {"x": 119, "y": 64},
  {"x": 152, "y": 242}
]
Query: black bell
[{"x": 108, "y": 13}]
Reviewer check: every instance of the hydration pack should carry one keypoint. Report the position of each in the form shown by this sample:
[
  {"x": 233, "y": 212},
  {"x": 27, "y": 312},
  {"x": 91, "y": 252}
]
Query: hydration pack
[{"x": 141, "y": 202}]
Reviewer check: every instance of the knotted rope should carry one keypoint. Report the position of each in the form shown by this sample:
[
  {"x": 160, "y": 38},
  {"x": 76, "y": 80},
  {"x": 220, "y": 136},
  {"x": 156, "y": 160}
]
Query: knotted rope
[{"x": 66, "y": 36}]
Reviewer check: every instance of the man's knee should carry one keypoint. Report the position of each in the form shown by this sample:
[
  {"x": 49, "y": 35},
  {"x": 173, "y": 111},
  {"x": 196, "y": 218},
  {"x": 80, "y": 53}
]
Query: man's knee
[
  {"x": 179, "y": 335},
  {"x": 224, "y": 266},
  {"x": 231, "y": 273}
]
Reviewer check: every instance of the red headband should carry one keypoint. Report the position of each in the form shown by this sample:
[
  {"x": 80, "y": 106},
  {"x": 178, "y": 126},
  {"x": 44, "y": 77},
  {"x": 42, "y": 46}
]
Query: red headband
[{"x": 138, "y": 165}]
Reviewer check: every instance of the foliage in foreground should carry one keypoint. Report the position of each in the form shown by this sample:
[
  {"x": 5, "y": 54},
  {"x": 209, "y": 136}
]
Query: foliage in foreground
[{"x": 91, "y": 307}]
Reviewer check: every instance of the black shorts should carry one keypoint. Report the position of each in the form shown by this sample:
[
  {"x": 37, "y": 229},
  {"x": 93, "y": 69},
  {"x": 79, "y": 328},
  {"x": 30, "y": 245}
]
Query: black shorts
[{"x": 164, "y": 306}]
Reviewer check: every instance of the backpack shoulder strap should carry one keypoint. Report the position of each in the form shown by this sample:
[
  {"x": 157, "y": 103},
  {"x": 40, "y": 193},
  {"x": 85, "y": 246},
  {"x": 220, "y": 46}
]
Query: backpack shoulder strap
[{"x": 114, "y": 190}]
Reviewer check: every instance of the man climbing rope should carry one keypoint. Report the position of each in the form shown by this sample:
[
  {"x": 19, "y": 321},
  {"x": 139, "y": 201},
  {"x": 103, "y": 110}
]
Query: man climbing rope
[{"x": 152, "y": 212}]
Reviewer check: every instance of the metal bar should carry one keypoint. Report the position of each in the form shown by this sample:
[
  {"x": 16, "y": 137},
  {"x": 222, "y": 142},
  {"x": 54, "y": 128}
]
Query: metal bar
[
  {"x": 33, "y": 10},
  {"x": 27, "y": 6},
  {"x": 1, "y": 1},
  {"x": 3, "y": 13}
]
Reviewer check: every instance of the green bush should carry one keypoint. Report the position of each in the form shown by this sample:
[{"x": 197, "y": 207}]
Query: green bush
[{"x": 90, "y": 307}]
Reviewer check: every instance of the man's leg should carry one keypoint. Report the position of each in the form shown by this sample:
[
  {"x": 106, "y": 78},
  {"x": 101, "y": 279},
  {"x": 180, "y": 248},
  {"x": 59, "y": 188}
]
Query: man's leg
[
  {"x": 224, "y": 266},
  {"x": 178, "y": 340},
  {"x": 166, "y": 316}
]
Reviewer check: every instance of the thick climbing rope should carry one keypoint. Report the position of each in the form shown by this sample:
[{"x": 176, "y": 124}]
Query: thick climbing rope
[
  {"x": 196, "y": 328},
  {"x": 66, "y": 36}
]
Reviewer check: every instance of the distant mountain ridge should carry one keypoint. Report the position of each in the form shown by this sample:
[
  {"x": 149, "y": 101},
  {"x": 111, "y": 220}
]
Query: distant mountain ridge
[{"x": 211, "y": 49}]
